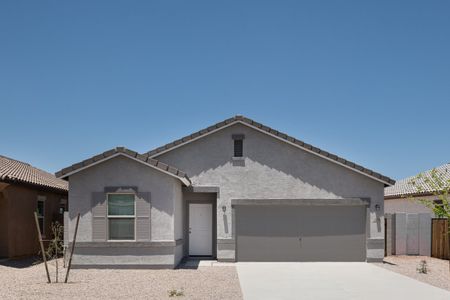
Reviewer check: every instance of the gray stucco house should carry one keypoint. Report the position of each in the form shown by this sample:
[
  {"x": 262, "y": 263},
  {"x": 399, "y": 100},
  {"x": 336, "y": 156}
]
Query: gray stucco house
[{"x": 235, "y": 191}]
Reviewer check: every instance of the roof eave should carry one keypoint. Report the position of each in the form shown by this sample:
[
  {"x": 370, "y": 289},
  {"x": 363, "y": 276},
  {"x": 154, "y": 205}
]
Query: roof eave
[
  {"x": 387, "y": 182},
  {"x": 280, "y": 136},
  {"x": 33, "y": 185},
  {"x": 408, "y": 195},
  {"x": 63, "y": 175}
]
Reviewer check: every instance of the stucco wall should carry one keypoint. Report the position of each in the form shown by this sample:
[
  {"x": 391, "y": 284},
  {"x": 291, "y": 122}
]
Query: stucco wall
[
  {"x": 124, "y": 254},
  {"x": 21, "y": 227},
  {"x": 271, "y": 169},
  {"x": 178, "y": 212},
  {"x": 122, "y": 171},
  {"x": 407, "y": 205},
  {"x": 178, "y": 255},
  {"x": 165, "y": 198},
  {"x": 3, "y": 226}
]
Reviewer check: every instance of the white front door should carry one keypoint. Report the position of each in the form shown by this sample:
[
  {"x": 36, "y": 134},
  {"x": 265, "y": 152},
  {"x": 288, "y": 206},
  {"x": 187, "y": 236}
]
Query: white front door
[{"x": 200, "y": 229}]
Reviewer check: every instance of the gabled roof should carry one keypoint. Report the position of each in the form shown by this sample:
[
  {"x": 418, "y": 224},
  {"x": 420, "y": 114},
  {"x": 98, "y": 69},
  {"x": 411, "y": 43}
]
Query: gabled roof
[
  {"x": 14, "y": 171},
  {"x": 405, "y": 188},
  {"x": 122, "y": 151},
  {"x": 276, "y": 134}
]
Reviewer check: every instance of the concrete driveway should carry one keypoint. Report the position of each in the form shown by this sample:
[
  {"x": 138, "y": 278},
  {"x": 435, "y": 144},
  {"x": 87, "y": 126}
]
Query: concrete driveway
[{"x": 330, "y": 281}]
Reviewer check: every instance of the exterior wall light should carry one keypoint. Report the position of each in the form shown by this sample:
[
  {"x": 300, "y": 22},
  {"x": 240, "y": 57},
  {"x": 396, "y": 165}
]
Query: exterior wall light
[
  {"x": 224, "y": 209},
  {"x": 377, "y": 207}
]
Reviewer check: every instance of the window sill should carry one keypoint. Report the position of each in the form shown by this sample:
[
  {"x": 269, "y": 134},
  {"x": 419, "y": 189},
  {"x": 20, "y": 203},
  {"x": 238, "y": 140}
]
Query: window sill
[
  {"x": 121, "y": 241},
  {"x": 128, "y": 244},
  {"x": 238, "y": 158}
]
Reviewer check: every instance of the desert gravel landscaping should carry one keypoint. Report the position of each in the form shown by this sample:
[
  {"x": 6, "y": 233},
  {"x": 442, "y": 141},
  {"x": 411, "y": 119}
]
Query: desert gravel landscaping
[
  {"x": 438, "y": 270},
  {"x": 19, "y": 280}
]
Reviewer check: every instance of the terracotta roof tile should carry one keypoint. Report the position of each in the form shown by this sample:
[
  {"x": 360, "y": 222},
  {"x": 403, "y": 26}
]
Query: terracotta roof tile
[
  {"x": 404, "y": 187},
  {"x": 12, "y": 170}
]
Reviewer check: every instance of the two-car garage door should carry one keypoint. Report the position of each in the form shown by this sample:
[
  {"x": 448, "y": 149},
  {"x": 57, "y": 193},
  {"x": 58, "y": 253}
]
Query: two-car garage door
[{"x": 300, "y": 233}]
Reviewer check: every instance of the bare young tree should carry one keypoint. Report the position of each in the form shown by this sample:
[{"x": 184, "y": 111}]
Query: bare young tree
[{"x": 55, "y": 247}]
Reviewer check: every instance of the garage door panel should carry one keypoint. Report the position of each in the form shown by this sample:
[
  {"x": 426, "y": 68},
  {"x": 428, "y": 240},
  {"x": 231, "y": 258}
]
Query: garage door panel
[
  {"x": 332, "y": 248},
  {"x": 269, "y": 248},
  {"x": 300, "y": 233},
  {"x": 259, "y": 221}
]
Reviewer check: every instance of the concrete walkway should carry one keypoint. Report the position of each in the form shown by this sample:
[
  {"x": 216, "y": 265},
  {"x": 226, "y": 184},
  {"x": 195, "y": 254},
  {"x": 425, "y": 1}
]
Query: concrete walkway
[{"x": 330, "y": 281}]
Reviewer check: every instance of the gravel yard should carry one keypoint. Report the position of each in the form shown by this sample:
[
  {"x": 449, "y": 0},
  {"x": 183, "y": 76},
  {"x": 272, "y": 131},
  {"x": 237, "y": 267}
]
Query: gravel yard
[
  {"x": 19, "y": 280},
  {"x": 438, "y": 271}
]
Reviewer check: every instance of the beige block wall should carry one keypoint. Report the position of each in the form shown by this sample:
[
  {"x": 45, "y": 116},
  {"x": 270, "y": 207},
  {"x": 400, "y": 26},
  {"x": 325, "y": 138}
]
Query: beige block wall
[{"x": 407, "y": 205}]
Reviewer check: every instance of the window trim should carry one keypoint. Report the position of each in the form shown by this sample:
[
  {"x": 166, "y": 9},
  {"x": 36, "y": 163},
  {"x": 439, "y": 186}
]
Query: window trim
[
  {"x": 41, "y": 199},
  {"x": 120, "y": 216}
]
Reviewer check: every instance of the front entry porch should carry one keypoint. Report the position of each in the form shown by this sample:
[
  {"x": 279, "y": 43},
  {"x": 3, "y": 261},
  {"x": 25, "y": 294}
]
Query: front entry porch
[{"x": 200, "y": 224}]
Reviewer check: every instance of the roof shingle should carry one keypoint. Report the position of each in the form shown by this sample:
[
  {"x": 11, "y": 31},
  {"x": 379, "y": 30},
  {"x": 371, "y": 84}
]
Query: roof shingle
[{"x": 14, "y": 171}]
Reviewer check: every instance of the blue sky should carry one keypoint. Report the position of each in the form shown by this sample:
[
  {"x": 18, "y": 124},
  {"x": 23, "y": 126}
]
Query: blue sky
[{"x": 367, "y": 80}]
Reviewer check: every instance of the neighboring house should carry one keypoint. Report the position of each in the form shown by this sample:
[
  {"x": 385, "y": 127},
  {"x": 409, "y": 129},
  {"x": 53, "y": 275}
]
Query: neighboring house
[
  {"x": 402, "y": 197},
  {"x": 236, "y": 191},
  {"x": 25, "y": 189}
]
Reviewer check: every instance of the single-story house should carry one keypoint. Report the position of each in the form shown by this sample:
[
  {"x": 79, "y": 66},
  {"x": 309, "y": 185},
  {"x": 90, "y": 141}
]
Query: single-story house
[
  {"x": 234, "y": 191},
  {"x": 24, "y": 190},
  {"x": 403, "y": 196}
]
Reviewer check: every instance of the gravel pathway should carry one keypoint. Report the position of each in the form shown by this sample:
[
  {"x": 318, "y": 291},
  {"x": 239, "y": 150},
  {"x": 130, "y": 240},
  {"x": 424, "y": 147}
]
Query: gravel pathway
[
  {"x": 438, "y": 269},
  {"x": 21, "y": 281}
]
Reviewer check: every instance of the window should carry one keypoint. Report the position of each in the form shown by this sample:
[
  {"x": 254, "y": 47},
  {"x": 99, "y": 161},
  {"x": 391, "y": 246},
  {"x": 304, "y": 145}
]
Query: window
[
  {"x": 62, "y": 206},
  {"x": 238, "y": 148},
  {"x": 238, "y": 145},
  {"x": 40, "y": 210},
  {"x": 121, "y": 216}
]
